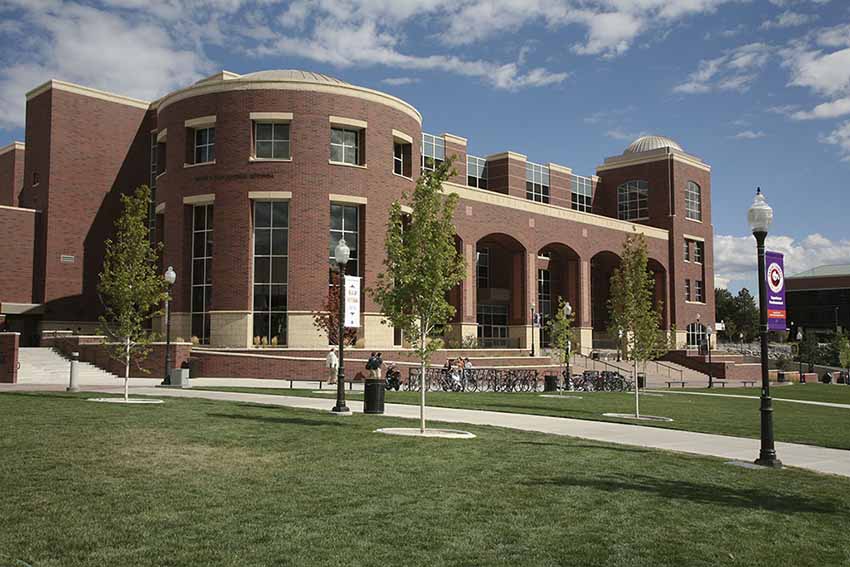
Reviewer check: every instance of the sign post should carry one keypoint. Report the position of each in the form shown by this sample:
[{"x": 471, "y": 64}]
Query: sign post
[{"x": 775, "y": 274}]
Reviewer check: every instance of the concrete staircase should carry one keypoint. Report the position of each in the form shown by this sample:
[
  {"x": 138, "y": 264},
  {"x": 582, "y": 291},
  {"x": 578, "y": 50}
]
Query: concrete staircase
[{"x": 46, "y": 366}]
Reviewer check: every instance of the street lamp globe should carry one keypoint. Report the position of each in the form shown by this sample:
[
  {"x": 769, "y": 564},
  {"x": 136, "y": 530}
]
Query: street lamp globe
[
  {"x": 170, "y": 276},
  {"x": 342, "y": 252},
  {"x": 760, "y": 215}
]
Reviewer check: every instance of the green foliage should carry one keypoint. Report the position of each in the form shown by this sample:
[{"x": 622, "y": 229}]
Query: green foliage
[
  {"x": 844, "y": 352},
  {"x": 561, "y": 333},
  {"x": 422, "y": 263},
  {"x": 782, "y": 362},
  {"x": 631, "y": 303},
  {"x": 809, "y": 350},
  {"x": 740, "y": 313},
  {"x": 130, "y": 287},
  {"x": 327, "y": 320}
]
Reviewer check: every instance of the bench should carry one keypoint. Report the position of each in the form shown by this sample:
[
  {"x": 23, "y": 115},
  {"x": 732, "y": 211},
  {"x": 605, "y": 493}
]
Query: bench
[
  {"x": 721, "y": 381},
  {"x": 751, "y": 383},
  {"x": 671, "y": 382}
]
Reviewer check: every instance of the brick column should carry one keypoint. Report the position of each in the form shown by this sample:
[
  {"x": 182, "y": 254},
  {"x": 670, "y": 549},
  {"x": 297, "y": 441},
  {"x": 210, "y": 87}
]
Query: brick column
[
  {"x": 456, "y": 148},
  {"x": 506, "y": 173},
  {"x": 585, "y": 324},
  {"x": 9, "y": 343},
  {"x": 560, "y": 179}
]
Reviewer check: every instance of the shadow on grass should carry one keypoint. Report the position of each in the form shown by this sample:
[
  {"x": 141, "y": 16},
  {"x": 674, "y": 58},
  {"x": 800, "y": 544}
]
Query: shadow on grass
[
  {"x": 278, "y": 419},
  {"x": 679, "y": 489}
]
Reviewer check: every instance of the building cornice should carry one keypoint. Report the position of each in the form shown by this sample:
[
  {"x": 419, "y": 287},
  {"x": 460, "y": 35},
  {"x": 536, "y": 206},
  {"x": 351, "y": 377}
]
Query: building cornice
[
  {"x": 12, "y": 147},
  {"x": 452, "y": 139},
  {"x": 231, "y": 84},
  {"x": 660, "y": 154},
  {"x": 89, "y": 92},
  {"x": 508, "y": 155},
  {"x": 520, "y": 204}
]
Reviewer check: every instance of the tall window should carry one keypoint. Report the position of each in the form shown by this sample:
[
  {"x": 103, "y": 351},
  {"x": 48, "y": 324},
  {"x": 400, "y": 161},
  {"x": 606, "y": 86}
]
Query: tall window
[
  {"x": 633, "y": 200},
  {"x": 544, "y": 301},
  {"x": 345, "y": 146},
  {"x": 698, "y": 291},
  {"x": 205, "y": 145},
  {"x": 582, "y": 194},
  {"x": 536, "y": 182},
  {"x": 483, "y": 268},
  {"x": 699, "y": 251},
  {"x": 402, "y": 158},
  {"x": 492, "y": 325},
  {"x": 687, "y": 290},
  {"x": 433, "y": 151},
  {"x": 271, "y": 140},
  {"x": 202, "y": 254},
  {"x": 152, "y": 184},
  {"x": 696, "y": 335},
  {"x": 693, "y": 201},
  {"x": 687, "y": 250},
  {"x": 345, "y": 223},
  {"x": 271, "y": 269},
  {"x": 476, "y": 172}
]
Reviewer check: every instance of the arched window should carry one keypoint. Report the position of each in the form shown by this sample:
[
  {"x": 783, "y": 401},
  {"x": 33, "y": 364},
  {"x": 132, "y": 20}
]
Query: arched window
[
  {"x": 696, "y": 335},
  {"x": 633, "y": 200},
  {"x": 693, "y": 201}
]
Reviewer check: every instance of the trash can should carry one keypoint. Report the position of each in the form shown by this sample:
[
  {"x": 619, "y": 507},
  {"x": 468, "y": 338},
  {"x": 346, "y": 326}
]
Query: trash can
[
  {"x": 373, "y": 396},
  {"x": 179, "y": 377},
  {"x": 641, "y": 380},
  {"x": 550, "y": 383}
]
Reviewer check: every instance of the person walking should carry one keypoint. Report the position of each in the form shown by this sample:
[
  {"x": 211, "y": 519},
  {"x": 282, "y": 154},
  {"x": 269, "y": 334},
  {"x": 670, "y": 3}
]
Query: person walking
[
  {"x": 332, "y": 364},
  {"x": 370, "y": 366},
  {"x": 379, "y": 362}
]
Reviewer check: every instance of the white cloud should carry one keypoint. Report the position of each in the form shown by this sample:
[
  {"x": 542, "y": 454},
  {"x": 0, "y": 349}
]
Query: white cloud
[
  {"x": 839, "y": 137},
  {"x": 618, "y": 134},
  {"x": 832, "y": 109},
  {"x": 749, "y": 135},
  {"x": 399, "y": 81},
  {"x": 735, "y": 70},
  {"x": 789, "y": 19},
  {"x": 827, "y": 74},
  {"x": 735, "y": 256}
]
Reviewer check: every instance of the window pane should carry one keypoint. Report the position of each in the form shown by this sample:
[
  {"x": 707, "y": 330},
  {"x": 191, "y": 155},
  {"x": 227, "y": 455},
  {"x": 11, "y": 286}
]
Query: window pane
[
  {"x": 262, "y": 242},
  {"x": 201, "y": 137},
  {"x": 336, "y": 153},
  {"x": 210, "y": 135},
  {"x": 350, "y": 218},
  {"x": 200, "y": 218},
  {"x": 336, "y": 136},
  {"x": 261, "y": 297},
  {"x": 261, "y": 325},
  {"x": 264, "y": 150},
  {"x": 279, "y": 242},
  {"x": 208, "y": 271},
  {"x": 261, "y": 269},
  {"x": 264, "y": 131},
  {"x": 279, "y": 267},
  {"x": 350, "y": 138},
  {"x": 278, "y": 298},
  {"x": 278, "y": 327},
  {"x": 280, "y": 214},
  {"x": 281, "y": 131},
  {"x": 197, "y": 271},
  {"x": 336, "y": 217},
  {"x": 197, "y": 299},
  {"x": 262, "y": 214},
  {"x": 281, "y": 150}
]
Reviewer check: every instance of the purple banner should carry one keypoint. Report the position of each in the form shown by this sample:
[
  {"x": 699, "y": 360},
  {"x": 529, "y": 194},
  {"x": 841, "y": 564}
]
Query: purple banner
[{"x": 775, "y": 273}]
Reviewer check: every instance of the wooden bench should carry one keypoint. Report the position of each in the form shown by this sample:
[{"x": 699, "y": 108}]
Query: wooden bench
[
  {"x": 671, "y": 382},
  {"x": 752, "y": 383},
  {"x": 721, "y": 381}
]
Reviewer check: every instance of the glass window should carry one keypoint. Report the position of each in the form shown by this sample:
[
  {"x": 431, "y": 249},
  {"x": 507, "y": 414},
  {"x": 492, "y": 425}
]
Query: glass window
[
  {"x": 687, "y": 250},
  {"x": 492, "y": 325},
  {"x": 345, "y": 223},
  {"x": 699, "y": 251},
  {"x": 345, "y": 145},
  {"x": 154, "y": 149},
  {"x": 633, "y": 200},
  {"x": 483, "y": 268},
  {"x": 536, "y": 182},
  {"x": 271, "y": 271},
  {"x": 693, "y": 201},
  {"x": 433, "y": 151},
  {"x": 696, "y": 335},
  {"x": 698, "y": 289},
  {"x": 271, "y": 140},
  {"x": 476, "y": 172},
  {"x": 687, "y": 290},
  {"x": 582, "y": 193},
  {"x": 202, "y": 254},
  {"x": 402, "y": 152},
  {"x": 204, "y": 145}
]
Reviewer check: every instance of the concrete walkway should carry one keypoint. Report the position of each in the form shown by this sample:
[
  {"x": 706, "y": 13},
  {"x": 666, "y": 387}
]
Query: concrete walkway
[
  {"x": 807, "y": 402},
  {"x": 819, "y": 459}
]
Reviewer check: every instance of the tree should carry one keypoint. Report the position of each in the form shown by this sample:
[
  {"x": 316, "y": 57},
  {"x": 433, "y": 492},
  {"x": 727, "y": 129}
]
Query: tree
[
  {"x": 746, "y": 315},
  {"x": 632, "y": 309},
  {"x": 724, "y": 308},
  {"x": 421, "y": 266},
  {"x": 844, "y": 353},
  {"x": 561, "y": 334},
  {"x": 327, "y": 320},
  {"x": 130, "y": 286},
  {"x": 809, "y": 350}
]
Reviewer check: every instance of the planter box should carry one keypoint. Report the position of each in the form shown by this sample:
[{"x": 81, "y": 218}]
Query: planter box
[{"x": 808, "y": 378}]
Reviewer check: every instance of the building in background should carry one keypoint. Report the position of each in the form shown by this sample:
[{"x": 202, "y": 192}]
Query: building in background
[
  {"x": 819, "y": 299},
  {"x": 257, "y": 176}
]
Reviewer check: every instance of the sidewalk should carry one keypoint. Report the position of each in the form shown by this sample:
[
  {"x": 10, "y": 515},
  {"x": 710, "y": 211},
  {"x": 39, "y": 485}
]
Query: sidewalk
[
  {"x": 819, "y": 459},
  {"x": 807, "y": 402}
]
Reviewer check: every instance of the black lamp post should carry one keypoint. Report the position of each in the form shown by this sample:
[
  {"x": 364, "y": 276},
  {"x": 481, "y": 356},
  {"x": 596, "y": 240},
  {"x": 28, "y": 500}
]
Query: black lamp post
[
  {"x": 800, "y": 352},
  {"x": 568, "y": 311},
  {"x": 170, "y": 278},
  {"x": 619, "y": 344},
  {"x": 533, "y": 330},
  {"x": 708, "y": 332},
  {"x": 341, "y": 255},
  {"x": 760, "y": 216}
]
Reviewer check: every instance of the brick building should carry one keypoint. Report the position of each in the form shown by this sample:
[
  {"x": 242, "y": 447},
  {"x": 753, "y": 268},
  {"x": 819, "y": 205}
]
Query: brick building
[
  {"x": 819, "y": 299},
  {"x": 256, "y": 177}
]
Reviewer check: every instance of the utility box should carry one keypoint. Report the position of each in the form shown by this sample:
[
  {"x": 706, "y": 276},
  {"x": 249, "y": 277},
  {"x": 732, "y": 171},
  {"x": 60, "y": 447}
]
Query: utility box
[{"x": 179, "y": 377}]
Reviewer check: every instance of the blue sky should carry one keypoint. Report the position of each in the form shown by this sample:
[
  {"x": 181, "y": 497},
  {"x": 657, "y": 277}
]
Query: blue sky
[{"x": 760, "y": 89}]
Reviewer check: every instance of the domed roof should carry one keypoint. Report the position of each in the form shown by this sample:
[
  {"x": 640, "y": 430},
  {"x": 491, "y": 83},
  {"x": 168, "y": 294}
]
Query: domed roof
[
  {"x": 291, "y": 75},
  {"x": 647, "y": 143}
]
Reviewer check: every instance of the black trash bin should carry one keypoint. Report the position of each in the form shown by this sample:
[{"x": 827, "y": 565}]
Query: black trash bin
[
  {"x": 550, "y": 383},
  {"x": 373, "y": 401},
  {"x": 641, "y": 380}
]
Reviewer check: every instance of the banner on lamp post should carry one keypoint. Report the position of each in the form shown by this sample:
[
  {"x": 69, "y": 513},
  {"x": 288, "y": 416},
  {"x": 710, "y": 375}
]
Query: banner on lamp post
[
  {"x": 775, "y": 274},
  {"x": 352, "y": 302}
]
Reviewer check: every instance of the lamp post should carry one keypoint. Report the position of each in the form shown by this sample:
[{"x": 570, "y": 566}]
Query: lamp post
[
  {"x": 619, "y": 343},
  {"x": 800, "y": 352},
  {"x": 532, "y": 330},
  {"x": 341, "y": 254},
  {"x": 759, "y": 217},
  {"x": 170, "y": 277},
  {"x": 708, "y": 333},
  {"x": 568, "y": 311}
]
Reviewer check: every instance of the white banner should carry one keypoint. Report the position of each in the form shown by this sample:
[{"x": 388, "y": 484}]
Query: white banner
[{"x": 352, "y": 302}]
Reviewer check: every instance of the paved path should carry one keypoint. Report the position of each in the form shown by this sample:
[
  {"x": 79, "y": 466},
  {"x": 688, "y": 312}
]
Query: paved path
[
  {"x": 833, "y": 461},
  {"x": 807, "y": 402}
]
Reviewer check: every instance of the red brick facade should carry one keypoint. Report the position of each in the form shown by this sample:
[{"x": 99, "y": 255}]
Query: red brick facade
[
  {"x": 11, "y": 173},
  {"x": 84, "y": 148},
  {"x": 9, "y": 358}
]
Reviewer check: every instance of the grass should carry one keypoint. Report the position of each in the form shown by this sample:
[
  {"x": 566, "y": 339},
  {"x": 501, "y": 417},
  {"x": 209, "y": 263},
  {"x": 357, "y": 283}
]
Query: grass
[
  {"x": 793, "y": 423},
  {"x": 834, "y": 393},
  {"x": 197, "y": 482}
]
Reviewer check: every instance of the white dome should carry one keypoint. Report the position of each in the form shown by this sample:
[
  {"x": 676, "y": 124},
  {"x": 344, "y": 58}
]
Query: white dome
[
  {"x": 647, "y": 143},
  {"x": 291, "y": 75}
]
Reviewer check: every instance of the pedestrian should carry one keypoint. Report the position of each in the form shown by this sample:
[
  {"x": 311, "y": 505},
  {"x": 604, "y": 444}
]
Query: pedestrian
[
  {"x": 370, "y": 366},
  {"x": 379, "y": 362},
  {"x": 332, "y": 364}
]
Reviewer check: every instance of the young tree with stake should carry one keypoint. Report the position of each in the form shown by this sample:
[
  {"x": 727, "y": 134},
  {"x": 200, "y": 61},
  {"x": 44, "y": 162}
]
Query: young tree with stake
[
  {"x": 130, "y": 286},
  {"x": 421, "y": 266},
  {"x": 632, "y": 309}
]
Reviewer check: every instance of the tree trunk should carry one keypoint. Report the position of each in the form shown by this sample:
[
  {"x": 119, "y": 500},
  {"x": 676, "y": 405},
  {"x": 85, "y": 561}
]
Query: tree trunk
[
  {"x": 127, "y": 369},
  {"x": 422, "y": 378},
  {"x": 637, "y": 389}
]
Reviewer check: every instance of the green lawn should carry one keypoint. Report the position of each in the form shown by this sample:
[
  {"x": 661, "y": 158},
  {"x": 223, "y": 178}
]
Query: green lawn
[
  {"x": 197, "y": 482},
  {"x": 835, "y": 393},
  {"x": 794, "y": 423}
]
